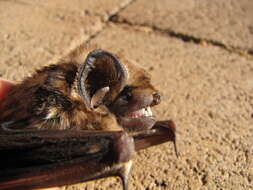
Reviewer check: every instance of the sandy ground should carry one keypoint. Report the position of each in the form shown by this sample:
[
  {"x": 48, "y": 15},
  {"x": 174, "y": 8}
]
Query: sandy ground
[{"x": 200, "y": 55}]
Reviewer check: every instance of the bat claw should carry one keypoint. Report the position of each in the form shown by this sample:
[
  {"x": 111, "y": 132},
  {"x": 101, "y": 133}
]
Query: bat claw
[
  {"x": 124, "y": 174},
  {"x": 172, "y": 126},
  {"x": 163, "y": 131},
  {"x": 124, "y": 152},
  {"x": 175, "y": 148}
]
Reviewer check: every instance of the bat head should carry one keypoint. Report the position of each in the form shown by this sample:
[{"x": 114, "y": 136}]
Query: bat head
[
  {"x": 133, "y": 104},
  {"x": 125, "y": 89}
]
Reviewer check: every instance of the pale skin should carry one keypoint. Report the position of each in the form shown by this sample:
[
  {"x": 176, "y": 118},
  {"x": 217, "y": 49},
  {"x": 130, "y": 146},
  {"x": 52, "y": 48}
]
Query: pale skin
[{"x": 5, "y": 87}]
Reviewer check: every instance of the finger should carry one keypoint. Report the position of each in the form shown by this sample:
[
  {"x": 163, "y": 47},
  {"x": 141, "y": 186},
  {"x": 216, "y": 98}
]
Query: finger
[{"x": 5, "y": 86}]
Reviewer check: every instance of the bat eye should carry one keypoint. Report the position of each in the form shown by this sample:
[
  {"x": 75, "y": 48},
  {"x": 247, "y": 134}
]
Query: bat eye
[
  {"x": 126, "y": 94},
  {"x": 129, "y": 95}
]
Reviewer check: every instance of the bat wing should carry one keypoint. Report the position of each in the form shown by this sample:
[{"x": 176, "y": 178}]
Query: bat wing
[
  {"x": 41, "y": 159},
  {"x": 162, "y": 131}
]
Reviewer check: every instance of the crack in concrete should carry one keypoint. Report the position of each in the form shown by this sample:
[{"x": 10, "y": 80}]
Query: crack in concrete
[
  {"x": 94, "y": 35},
  {"x": 106, "y": 19},
  {"x": 116, "y": 19},
  {"x": 19, "y": 2},
  {"x": 117, "y": 10}
]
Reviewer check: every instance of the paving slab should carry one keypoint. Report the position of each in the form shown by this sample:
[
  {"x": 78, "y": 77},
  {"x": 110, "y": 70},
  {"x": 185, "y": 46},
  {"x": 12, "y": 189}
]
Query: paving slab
[
  {"x": 208, "y": 93},
  {"x": 226, "y": 21},
  {"x": 91, "y": 7},
  {"x": 32, "y": 32}
]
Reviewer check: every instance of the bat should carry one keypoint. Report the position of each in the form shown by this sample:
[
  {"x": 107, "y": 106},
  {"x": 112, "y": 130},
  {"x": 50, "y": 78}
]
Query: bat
[{"x": 80, "y": 119}]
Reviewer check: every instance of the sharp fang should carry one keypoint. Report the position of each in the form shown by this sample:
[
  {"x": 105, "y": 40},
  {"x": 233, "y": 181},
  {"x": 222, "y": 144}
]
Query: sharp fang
[
  {"x": 142, "y": 112},
  {"x": 149, "y": 111}
]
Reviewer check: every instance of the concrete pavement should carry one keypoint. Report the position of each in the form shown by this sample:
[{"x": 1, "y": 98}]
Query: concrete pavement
[{"x": 200, "y": 55}]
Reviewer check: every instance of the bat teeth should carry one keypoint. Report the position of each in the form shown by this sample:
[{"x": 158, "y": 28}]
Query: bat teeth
[
  {"x": 149, "y": 111},
  {"x": 142, "y": 112}
]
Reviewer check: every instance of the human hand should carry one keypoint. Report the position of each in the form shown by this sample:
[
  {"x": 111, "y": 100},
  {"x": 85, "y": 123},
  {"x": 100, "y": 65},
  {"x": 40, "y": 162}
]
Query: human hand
[{"x": 5, "y": 86}]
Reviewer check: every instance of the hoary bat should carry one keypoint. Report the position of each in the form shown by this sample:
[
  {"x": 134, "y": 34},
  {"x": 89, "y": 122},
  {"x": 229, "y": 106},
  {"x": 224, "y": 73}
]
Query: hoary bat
[{"x": 80, "y": 119}]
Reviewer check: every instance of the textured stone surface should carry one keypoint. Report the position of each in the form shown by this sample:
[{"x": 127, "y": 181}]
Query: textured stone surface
[
  {"x": 226, "y": 21},
  {"x": 32, "y": 32},
  {"x": 91, "y": 7},
  {"x": 208, "y": 93},
  {"x": 206, "y": 90}
]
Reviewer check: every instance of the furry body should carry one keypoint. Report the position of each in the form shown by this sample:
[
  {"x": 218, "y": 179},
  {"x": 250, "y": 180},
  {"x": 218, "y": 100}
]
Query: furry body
[
  {"x": 63, "y": 114},
  {"x": 49, "y": 99}
]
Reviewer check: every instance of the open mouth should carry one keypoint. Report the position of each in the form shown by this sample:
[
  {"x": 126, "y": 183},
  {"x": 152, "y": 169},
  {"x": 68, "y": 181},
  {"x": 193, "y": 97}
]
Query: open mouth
[
  {"x": 144, "y": 112},
  {"x": 141, "y": 119},
  {"x": 133, "y": 109}
]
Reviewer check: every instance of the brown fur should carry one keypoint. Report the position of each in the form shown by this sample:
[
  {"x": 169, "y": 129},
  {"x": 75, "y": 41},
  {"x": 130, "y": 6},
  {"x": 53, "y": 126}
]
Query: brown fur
[
  {"x": 49, "y": 99},
  {"x": 58, "y": 97}
]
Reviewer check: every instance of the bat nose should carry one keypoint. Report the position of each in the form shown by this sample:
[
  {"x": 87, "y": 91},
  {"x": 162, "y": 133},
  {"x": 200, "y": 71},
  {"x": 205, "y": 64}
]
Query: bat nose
[{"x": 156, "y": 99}]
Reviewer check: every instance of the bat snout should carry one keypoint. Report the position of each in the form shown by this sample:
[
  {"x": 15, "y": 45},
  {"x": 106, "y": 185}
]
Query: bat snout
[{"x": 156, "y": 99}]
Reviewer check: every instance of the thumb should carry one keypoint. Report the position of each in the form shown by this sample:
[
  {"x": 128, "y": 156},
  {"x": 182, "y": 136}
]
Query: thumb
[{"x": 5, "y": 86}]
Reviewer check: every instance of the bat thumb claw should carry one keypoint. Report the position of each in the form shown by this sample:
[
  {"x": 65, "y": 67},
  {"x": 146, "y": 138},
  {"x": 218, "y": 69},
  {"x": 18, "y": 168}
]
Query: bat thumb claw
[
  {"x": 175, "y": 148},
  {"x": 124, "y": 174}
]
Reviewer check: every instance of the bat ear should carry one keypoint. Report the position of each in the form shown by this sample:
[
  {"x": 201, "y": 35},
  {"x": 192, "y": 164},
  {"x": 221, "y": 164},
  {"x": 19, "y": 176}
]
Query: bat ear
[{"x": 101, "y": 78}]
